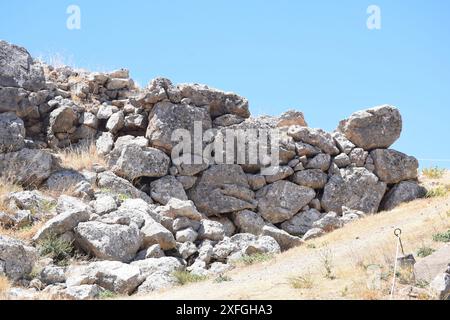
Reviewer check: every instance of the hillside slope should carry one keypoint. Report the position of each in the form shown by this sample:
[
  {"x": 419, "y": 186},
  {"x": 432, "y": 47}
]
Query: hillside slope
[{"x": 349, "y": 252}]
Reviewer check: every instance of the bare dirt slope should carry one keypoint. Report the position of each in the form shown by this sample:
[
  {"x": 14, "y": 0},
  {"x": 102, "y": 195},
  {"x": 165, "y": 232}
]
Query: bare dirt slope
[{"x": 347, "y": 253}]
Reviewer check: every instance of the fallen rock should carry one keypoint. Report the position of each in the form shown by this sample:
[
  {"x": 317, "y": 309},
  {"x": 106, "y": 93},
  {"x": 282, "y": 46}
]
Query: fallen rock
[
  {"x": 404, "y": 191},
  {"x": 374, "y": 128},
  {"x": 392, "y": 166},
  {"x": 222, "y": 189},
  {"x": 110, "y": 181},
  {"x": 312, "y": 178},
  {"x": 356, "y": 188},
  {"x": 29, "y": 167},
  {"x": 248, "y": 222},
  {"x": 316, "y": 137},
  {"x": 211, "y": 230},
  {"x": 284, "y": 239},
  {"x": 166, "y": 188},
  {"x": 154, "y": 233},
  {"x": 281, "y": 200},
  {"x": 12, "y": 132},
  {"x": 299, "y": 224},
  {"x": 136, "y": 161},
  {"x": 16, "y": 258},
  {"x": 108, "y": 241},
  {"x": 112, "y": 275},
  {"x": 166, "y": 117}
]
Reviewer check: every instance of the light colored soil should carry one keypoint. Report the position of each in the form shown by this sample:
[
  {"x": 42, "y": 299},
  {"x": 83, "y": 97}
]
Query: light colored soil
[{"x": 351, "y": 249}]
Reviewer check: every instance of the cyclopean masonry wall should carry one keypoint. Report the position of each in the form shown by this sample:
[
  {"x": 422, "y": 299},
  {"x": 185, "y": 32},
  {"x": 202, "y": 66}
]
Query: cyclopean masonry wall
[{"x": 146, "y": 215}]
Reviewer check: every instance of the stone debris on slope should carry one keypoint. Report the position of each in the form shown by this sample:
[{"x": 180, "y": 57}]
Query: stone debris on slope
[{"x": 148, "y": 212}]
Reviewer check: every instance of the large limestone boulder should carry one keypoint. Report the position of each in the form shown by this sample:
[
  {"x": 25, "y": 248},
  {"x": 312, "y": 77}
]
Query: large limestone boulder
[
  {"x": 374, "y": 128},
  {"x": 299, "y": 224},
  {"x": 222, "y": 189},
  {"x": 248, "y": 222},
  {"x": 404, "y": 191},
  {"x": 63, "y": 120},
  {"x": 392, "y": 166},
  {"x": 281, "y": 200},
  {"x": 284, "y": 239},
  {"x": 167, "y": 117},
  {"x": 428, "y": 268},
  {"x": 136, "y": 161},
  {"x": 154, "y": 233},
  {"x": 110, "y": 181},
  {"x": 162, "y": 190},
  {"x": 12, "y": 132},
  {"x": 16, "y": 258},
  {"x": 109, "y": 241},
  {"x": 17, "y": 68},
  {"x": 315, "y": 137},
  {"x": 355, "y": 188},
  {"x": 27, "y": 166},
  {"x": 313, "y": 178},
  {"x": 219, "y": 102},
  {"x": 115, "y": 276}
]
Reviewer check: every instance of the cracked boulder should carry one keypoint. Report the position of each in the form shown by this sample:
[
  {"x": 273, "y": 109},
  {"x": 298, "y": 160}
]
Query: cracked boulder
[
  {"x": 12, "y": 132},
  {"x": 404, "y": 191},
  {"x": 393, "y": 166},
  {"x": 222, "y": 189},
  {"x": 135, "y": 162},
  {"x": 167, "y": 117},
  {"x": 108, "y": 241},
  {"x": 355, "y": 188},
  {"x": 16, "y": 258},
  {"x": 373, "y": 128},
  {"x": 281, "y": 200}
]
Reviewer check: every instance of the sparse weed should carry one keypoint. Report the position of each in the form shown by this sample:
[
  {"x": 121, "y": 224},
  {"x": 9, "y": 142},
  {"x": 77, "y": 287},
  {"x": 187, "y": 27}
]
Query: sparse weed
[
  {"x": 424, "y": 251},
  {"x": 56, "y": 248},
  {"x": 222, "y": 278},
  {"x": 5, "y": 285},
  {"x": 326, "y": 257},
  {"x": 440, "y": 191},
  {"x": 442, "y": 237},
  {"x": 302, "y": 282},
  {"x": 106, "y": 294},
  {"x": 254, "y": 258},
  {"x": 433, "y": 172},
  {"x": 185, "y": 277}
]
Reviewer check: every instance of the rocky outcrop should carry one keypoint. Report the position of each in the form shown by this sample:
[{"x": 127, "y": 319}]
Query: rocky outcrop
[{"x": 161, "y": 203}]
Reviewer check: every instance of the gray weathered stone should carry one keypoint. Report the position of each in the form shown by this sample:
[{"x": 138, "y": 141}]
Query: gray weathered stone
[
  {"x": 12, "y": 132},
  {"x": 108, "y": 241},
  {"x": 373, "y": 128},
  {"x": 135, "y": 162},
  {"x": 281, "y": 200},
  {"x": 356, "y": 188},
  {"x": 284, "y": 239},
  {"x": 162, "y": 190},
  {"x": 392, "y": 166},
  {"x": 16, "y": 258},
  {"x": 301, "y": 223},
  {"x": 110, "y": 181},
  {"x": 316, "y": 137},
  {"x": 222, "y": 189},
  {"x": 404, "y": 191},
  {"x": 313, "y": 178}
]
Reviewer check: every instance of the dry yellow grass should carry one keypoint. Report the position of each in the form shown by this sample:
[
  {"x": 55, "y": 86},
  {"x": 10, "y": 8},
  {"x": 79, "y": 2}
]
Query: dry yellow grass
[
  {"x": 359, "y": 251},
  {"x": 6, "y": 186},
  {"x": 80, "y": 158},
  {"x": 24, "y": 234},
  {"x": 4, "y": 287}
]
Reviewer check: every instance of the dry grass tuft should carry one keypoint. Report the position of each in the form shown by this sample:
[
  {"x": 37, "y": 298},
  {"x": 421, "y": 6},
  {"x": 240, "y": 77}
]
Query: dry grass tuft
[
  {"x": 4, "y": 287},
  {"x": 434, "y": 172},
  {"x": 80, "y": 158},
  {"x": 6, "y": 186},
  {"x": 24, "y": 234}
]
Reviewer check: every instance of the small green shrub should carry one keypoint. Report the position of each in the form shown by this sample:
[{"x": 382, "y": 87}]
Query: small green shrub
[
  {"x": 442, "y": 237},
  {"x": 433, "y": 172},
  {"x": 424, "y": 251},
  {"x": 437, "y": 192},
  {"x": 106, "y": 294},
  {"x": 254, "y": 258},
  {"x": 184, "y": 277},
  {"x": 222, "y": 278},
  {"x": 56, "y": 248}
]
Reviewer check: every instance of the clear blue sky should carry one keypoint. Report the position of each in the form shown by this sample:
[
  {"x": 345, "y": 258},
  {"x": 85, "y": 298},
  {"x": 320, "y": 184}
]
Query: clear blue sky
[{"x": 315, "y": 56}]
